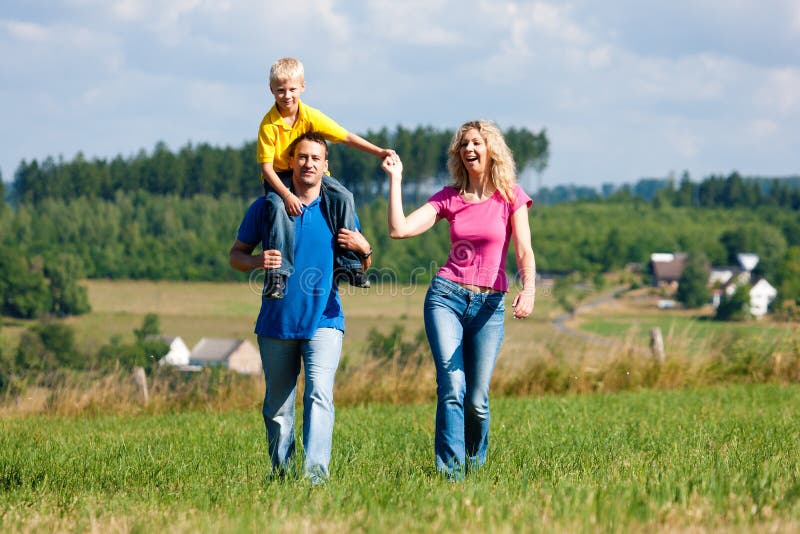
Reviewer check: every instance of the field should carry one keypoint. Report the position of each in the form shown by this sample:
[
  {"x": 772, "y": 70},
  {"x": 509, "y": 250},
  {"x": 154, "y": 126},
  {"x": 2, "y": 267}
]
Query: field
[
  {"x": 715, "y": 459},
  {"x": 628, "y": 319},
  {"x": 193, "y": 310}
]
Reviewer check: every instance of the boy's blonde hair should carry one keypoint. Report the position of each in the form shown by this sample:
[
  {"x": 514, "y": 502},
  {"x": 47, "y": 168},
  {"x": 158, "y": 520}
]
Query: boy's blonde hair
[
  {"x": 503, "y": 170},
  {"x": 287, "y": 68}
]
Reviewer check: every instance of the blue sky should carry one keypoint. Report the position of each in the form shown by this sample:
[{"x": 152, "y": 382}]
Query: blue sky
[{"x": 626, "y": 89}]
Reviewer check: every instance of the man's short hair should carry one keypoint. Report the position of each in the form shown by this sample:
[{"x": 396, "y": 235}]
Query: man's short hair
[
  {"x": 287, "y": 68},
  {"x": 309, "y": 136}
]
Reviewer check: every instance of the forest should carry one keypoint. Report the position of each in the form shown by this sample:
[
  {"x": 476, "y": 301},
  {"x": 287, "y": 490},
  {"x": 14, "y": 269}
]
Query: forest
[{"x": 173, "y": 216}]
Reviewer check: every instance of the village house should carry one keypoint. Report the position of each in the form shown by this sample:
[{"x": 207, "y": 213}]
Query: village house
[
  {"x": 178, "y": 354},
  {"x": 238, "y": 355},
  {"x": 667, "y": 269}
]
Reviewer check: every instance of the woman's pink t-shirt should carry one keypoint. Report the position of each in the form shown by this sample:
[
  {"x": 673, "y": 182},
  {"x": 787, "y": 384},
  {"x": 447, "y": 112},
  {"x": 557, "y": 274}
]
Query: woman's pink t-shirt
[{"x": 479, "y": 236}]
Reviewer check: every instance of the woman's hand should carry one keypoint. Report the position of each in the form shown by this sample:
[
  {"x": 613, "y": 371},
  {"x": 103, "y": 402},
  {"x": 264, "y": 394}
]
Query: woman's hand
[
  {"x": 523, "y": 303},
  {"x": 393, "y": 166}
]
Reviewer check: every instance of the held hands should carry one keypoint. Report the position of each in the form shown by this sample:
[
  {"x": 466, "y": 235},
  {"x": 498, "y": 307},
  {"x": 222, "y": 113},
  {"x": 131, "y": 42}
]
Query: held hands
[
  {"x": 293, "y": 204},
  {"x": 393, "y": 166},
  {"x": 386, "y": 153},
  {"x": 523, "y": 303},
  {"x": 352, "y": 240}
]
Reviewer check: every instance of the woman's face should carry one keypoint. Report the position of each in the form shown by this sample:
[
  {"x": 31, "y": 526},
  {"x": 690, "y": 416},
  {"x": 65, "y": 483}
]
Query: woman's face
[{"x": 473, "y": 152}]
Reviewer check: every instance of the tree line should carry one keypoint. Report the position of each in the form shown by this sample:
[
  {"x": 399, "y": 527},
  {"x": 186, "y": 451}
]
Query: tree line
[
  {"x": 206, "y": 170},
  {"x": 714, "y": 191}
]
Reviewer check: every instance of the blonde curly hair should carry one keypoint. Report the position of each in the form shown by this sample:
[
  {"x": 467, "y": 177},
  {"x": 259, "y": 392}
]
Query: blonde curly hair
[{"x": 503, "y": 169}]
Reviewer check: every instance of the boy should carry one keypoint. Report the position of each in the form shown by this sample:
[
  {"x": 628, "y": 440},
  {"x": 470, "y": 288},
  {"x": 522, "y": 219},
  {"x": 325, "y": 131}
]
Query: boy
[{"x": 285, "y": 121}]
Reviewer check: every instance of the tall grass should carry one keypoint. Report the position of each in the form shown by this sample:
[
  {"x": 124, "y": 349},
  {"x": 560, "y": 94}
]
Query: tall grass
[{"x": 397, "y": 369}]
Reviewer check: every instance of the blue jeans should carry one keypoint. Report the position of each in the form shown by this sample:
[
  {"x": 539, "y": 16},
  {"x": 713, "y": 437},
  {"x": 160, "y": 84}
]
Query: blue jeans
[
  {"x": 281, "y": 359},
  {"x": 340, "y": 212},
  {"x": 465, "y": 330}
]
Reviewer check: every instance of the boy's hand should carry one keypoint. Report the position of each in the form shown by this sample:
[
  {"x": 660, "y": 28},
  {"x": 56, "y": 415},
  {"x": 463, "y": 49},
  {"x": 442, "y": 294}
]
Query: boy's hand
[
  {"x": 386, "y": 153},
  {"x": 293, "y": 204}
]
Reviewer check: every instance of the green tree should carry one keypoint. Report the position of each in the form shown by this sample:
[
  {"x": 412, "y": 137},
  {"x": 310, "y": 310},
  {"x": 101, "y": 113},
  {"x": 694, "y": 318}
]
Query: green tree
[
  {"x": 735, "y": 307},
  {"x": 788, "y": 276},
  {"x": 762, "y": 239},
  {"x": 693, "y": 289},
  {"x": 151, "y": 327},
  {"x": 68, "y": 297},
  {"x": 24, "y": 292},
  {"x": 47, "y": 347}
]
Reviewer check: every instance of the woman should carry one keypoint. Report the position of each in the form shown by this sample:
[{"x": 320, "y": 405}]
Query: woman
[{"x": 464, "y": 306}]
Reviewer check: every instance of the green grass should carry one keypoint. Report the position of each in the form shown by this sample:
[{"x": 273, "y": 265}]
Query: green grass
[
  {"x": 700, "y": 328},
  {"x": 718, "y": 458}
]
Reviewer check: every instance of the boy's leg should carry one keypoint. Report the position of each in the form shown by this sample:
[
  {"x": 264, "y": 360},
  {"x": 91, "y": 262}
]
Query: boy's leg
[
  {"x": 340, "y": 210},
  {"x": 279, "y": 235}
]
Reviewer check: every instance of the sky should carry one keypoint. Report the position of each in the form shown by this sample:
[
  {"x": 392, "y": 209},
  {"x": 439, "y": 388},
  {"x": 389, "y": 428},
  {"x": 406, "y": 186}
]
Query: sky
[{"x": 625, "y": 89}]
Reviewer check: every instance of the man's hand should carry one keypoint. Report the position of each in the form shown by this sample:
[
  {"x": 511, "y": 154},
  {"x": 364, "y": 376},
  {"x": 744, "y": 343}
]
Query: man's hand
[
  {"x": 241, "y": 257},
  {"x": 352, "y": 240},
  {"x": 293, "y": 204},
  {"x": 269, "y": 259}
]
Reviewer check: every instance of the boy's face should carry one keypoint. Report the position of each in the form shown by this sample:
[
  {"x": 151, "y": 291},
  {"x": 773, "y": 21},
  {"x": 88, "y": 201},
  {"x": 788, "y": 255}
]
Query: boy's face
[{"x": 287, "y": 93}]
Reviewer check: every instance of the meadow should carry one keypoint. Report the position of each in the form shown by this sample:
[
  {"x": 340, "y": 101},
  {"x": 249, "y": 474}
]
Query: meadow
[
  {"x": 586, "y": 436},
  {"x": 719, "y": 459},
  {"x": 630, "y": 318}
]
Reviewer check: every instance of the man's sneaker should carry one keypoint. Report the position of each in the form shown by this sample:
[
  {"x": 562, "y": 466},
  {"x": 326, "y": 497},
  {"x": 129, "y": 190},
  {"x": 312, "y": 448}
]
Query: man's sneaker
[{"x": 274, "y": 285}]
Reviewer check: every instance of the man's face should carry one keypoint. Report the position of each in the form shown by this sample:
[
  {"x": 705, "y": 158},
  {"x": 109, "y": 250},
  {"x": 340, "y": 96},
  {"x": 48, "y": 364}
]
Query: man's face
[{"x": 309, "y": 162}]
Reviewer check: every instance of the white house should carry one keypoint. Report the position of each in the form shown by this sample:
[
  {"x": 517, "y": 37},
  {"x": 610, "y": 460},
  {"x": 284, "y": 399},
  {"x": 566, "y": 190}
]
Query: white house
[
  {"x": 237, "y": 355},
  {"x": 178, "y": 351},
  {"x": 747, "y": 261},
  {"x": 761, "y": 295},
  {"x": 742, "y": 273}
]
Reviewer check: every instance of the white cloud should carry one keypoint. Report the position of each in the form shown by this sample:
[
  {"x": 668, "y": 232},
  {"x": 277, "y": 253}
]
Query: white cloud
[
  {"x": 555, "y": 21},
  {"x": 780, "y": 91},
  {"x": 761, "y": 128},
  {"x": 415, "y": 22},
  {"x": 685, "y": 142},
  {"x": 27, "y": 31}
]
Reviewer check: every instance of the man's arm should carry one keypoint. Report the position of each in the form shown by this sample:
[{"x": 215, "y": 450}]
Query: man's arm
[
  {"x": 293, "y": 205},
  {"x": 356, "y": 141},
  {"x": 241, "y": 257}
]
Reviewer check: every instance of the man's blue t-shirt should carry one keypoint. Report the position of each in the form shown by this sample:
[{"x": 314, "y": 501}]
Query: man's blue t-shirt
[{"x": 312, "y": 297}]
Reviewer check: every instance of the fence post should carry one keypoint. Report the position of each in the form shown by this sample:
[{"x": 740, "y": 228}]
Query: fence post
[
  {"x": 140, "y": 379},
  {"x": 657, "y": 344}
]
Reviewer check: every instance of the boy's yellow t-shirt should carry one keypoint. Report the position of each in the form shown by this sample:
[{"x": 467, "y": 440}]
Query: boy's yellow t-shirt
[{"x": 275, "y": 136}]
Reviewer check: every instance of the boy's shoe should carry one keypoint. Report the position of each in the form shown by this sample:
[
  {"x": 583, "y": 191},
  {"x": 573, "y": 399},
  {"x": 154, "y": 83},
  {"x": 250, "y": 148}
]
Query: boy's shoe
[
  {"x": 274, "y": 285},
  {"x": 358, "y": 278}
]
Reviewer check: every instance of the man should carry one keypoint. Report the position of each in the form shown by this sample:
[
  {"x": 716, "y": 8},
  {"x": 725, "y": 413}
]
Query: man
[{"x": 309, "y": 325}]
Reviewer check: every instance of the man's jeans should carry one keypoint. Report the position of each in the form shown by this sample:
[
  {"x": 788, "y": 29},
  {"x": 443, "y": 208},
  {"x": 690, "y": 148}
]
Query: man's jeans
[
  {"x": 465, "y": 330},
  {"x": 281, "y": 361},
  {"x": 340, "y": 212}
]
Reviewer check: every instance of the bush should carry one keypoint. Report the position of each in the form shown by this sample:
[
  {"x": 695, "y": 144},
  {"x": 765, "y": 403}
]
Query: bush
[
  {"x": 735, "y": 307},
  {"x": 48, "y": 347}
]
